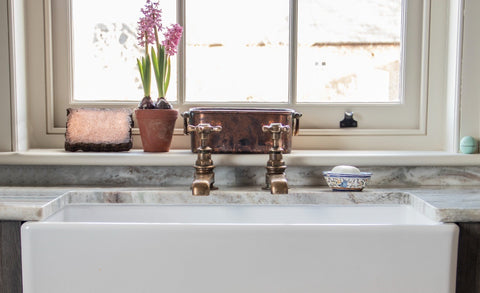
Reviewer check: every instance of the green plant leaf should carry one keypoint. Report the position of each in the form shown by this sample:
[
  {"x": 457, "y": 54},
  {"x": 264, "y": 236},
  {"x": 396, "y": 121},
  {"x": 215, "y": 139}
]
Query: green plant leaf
[
  {"x": 162, "y": 69},
  {"x": 167, "y": 78},
  {"x": 141, "y": 69},
  {"x": 148, "y": 76},
  {"x": 156, "y": 69}
]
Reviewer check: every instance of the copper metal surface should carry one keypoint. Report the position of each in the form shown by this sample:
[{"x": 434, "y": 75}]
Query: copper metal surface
[
  {"x": 275, "y": 178},
  {"x": 204, "y": 176},
  {"x": 242, "y": 128}
]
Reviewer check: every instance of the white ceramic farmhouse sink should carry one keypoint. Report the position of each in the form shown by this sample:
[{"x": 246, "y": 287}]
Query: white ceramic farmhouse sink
[{"x": 217, "y": 249}]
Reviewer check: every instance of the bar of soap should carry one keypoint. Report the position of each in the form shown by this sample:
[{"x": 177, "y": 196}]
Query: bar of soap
[
  {"x": 99, "y": 130},
  {"x": 345, "y": 169}
]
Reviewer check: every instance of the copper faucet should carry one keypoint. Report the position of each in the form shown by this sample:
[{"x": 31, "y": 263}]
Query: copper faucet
[
  {"x": 275, "y": 178},
  {"x": 204, "y": 177}
]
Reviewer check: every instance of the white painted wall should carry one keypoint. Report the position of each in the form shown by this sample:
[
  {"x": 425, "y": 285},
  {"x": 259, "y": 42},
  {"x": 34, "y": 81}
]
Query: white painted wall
[
  {"x": 18, "y": 75},
  {"x": 470, "y": 88}
]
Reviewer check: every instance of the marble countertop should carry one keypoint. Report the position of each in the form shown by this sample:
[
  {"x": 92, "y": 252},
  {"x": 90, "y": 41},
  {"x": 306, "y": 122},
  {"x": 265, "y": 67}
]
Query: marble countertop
[{"x": 444, "y": 204}]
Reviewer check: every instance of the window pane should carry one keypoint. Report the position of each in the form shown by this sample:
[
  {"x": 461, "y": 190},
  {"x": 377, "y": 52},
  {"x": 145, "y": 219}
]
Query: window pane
[
  {"x": 237, "y": 51},
  {"x": 105, "y": 49},
  {"x": 349, "y": 50}
]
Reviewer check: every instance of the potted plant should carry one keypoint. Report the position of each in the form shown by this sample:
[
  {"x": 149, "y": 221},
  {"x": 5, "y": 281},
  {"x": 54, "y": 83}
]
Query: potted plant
[{"x": 156, "y": 119}]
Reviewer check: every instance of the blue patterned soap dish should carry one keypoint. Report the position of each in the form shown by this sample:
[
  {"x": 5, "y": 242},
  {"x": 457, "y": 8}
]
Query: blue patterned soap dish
[{"x": 346, "y": 181}]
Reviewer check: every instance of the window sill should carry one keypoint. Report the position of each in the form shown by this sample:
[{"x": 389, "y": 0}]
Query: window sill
[{"x": 186, "y": 158}]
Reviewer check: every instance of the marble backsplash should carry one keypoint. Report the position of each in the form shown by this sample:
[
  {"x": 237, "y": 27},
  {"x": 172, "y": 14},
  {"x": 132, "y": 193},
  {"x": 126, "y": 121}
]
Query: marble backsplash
[{"x": 147, "y": 176}]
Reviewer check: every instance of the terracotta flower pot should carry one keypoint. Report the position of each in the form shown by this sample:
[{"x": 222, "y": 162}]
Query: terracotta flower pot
[{"x": 156, "y": 128}]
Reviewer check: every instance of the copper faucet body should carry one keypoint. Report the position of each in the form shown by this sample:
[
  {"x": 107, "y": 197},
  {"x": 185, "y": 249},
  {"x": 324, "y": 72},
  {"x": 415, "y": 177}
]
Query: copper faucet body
[
  {"x": 275, "y": 177},
  {"x": 204, "y": 177}
]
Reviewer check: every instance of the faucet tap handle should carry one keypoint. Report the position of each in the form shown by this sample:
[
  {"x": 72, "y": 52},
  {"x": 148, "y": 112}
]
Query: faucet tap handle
[
  {"x": 276, "y": 129},
  {"x": 204, "y": 129}
]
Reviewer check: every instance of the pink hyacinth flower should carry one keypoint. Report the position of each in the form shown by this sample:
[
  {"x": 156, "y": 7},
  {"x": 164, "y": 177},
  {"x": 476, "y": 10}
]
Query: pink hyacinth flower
[
  {"x": 172, "y": 38},
  {"x": 152, "y": 18}
]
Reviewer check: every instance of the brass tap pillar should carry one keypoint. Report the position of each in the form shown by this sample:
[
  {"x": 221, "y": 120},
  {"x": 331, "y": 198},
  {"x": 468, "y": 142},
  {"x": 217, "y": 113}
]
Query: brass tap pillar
[
  {"x": 204, "y": 177},
  {"x": 275, "y": 178}
]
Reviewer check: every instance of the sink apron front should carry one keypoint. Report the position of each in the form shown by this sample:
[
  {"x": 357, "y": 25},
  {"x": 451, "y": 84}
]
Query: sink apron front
[{"x": 269, "y": 255}]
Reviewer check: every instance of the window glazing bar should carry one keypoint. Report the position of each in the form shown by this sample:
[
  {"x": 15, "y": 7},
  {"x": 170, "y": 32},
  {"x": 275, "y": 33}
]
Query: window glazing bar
[
  {"x": 181, "y": 54},
  {"x": 292, "y": 58}
]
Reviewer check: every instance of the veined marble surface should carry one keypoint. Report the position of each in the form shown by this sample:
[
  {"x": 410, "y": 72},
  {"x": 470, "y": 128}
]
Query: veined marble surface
[
  {"x": 451, "y": 204},
  {"x": 228, "y": 176}
]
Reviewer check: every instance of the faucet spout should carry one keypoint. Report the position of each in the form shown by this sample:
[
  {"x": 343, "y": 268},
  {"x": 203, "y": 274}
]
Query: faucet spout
[
  {"x": 204, "y": 177},
  {"x": 202, "y": 186},
  {"x": 278, "y": 184}
]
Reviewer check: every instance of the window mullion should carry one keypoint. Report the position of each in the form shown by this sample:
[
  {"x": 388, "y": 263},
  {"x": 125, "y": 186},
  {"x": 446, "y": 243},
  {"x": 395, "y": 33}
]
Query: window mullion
[
  {"x": 292, "y": 58},
  {"x": 181, "y": 54}
]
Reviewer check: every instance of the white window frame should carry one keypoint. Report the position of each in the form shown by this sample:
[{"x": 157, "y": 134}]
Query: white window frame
[
  {"x": 429, "y": 131},
  {"x": 5, "y": 91}
]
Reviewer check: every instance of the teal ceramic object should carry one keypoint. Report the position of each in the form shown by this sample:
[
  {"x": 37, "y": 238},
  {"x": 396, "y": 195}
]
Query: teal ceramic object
[{"x": 468, "y": 145}]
